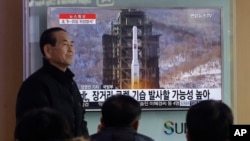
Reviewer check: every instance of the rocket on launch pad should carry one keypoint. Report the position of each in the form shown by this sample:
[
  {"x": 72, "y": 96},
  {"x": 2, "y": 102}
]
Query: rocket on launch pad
[{"x": 135, "y": 70}]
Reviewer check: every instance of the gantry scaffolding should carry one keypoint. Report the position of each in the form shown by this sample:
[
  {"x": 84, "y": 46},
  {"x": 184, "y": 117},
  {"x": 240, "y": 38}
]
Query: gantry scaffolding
[{"x": 117, "y": 51}]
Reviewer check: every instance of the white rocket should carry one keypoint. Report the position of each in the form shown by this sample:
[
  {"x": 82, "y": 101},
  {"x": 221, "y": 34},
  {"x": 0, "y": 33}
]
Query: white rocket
[{"x": 135, "y": 71}]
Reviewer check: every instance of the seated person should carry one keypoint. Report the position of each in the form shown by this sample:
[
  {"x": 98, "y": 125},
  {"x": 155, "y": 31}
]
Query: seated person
[
  {"x": 43, "y": 124},
  {"x": 209, "y": 120},
  {"x": 120, "y": 120}
]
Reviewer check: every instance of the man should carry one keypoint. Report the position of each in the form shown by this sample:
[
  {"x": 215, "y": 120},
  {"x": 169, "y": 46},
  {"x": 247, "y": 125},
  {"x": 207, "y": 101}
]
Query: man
[
  {"x": 53, "y": 85},
  {"x": 209, "y": 120},
  {"x": 43, "y": 124},
  {"x": 120, "y": 120}
]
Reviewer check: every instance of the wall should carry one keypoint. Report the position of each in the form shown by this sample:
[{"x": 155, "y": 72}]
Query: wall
[
  {"x": 242, "y": 56},
  {"x": 11, "y": 63}
]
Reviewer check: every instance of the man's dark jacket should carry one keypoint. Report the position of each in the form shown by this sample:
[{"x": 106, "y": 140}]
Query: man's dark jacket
[
  {"x": 51, "y": 87},
  {"x": 119, "y": 134}
]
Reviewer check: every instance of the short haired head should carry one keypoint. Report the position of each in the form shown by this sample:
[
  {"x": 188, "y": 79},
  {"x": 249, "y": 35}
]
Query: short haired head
[
  {"x": 42, "y": 124},
  {"x": 209, "y": 120},
  {"x": 48, "y": 37},
  {"x": 120, "y": 111}
]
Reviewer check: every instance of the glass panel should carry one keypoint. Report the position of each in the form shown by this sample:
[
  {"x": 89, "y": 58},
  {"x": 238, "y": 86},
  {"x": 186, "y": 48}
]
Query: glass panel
[{"x": 177, "y": 54}]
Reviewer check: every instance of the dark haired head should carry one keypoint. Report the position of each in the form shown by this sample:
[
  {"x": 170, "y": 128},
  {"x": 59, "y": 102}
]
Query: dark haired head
[
  {"x": 48, "y": 37},
  {"x": 42, "y": 124},
  {"x": 120, "y": 111},
  {"x": 209, "y": 120}
]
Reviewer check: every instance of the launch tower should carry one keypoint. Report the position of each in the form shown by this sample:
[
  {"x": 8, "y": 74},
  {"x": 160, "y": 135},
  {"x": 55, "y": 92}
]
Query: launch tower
[{"x": 118, "y": 54}]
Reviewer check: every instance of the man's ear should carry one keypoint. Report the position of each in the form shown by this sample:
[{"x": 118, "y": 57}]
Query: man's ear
[
  {"x": 101, "y": 125},
  {"x": 135, "y": 125},
  {"x": 47, "y": 51},
  {"x": 188, "y": 136},
  {"x": 101, "y": 120}
]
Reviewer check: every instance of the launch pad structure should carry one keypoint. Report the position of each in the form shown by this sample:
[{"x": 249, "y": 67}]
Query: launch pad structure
[{"x": 118, "y": 51}]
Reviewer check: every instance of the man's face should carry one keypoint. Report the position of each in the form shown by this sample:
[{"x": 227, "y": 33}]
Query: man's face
[{"x": 61, "y": 55}]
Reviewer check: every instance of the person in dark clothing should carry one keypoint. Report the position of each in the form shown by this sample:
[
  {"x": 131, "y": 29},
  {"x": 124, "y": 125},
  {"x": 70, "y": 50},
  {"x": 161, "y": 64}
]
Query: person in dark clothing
[
  {"x": 53, "y": 85},
  {"x": 43, "y": 124},
  {"x": 209, "y": 120},
  {"x": 120, "y": 120}
]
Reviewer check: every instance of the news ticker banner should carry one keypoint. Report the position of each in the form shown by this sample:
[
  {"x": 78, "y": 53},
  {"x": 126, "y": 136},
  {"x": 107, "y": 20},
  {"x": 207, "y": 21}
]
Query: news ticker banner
[
  {"x": 77, "y": 18},
  {"x": 240, "y": 133},
  {"x": 152, "y": 98}
]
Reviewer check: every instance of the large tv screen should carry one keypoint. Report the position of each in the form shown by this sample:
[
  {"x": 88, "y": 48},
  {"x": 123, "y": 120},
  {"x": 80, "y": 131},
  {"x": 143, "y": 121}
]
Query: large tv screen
[{"x": 166, "y": 58}]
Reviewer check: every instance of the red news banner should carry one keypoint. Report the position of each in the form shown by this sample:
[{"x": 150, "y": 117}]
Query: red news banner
[{"x": 77, "y": 18}]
